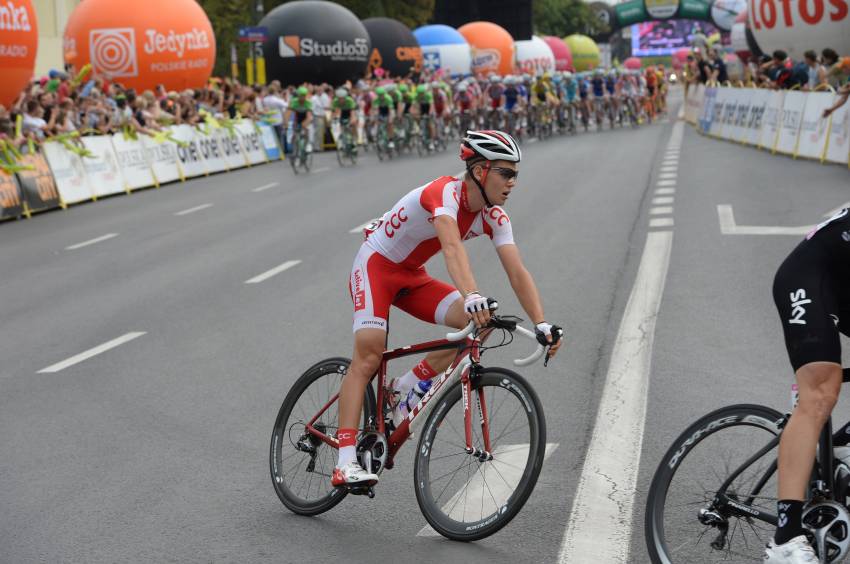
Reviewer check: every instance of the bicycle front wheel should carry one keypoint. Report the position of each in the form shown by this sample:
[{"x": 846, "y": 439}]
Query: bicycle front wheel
[
  {"x": 462, "y": 497},
  {"x": 684, "y": 522}
]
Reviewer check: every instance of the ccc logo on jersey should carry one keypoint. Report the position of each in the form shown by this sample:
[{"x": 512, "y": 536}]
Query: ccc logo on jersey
[{"x": 394, "y": 222}]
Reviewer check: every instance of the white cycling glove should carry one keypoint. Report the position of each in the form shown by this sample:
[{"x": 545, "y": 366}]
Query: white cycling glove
[
  {"x": 474, "y": 302},
  {"x": 544, "y": 328}
]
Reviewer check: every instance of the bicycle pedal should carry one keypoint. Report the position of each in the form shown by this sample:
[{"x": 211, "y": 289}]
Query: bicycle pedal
[{"x": 368, "y": 491}]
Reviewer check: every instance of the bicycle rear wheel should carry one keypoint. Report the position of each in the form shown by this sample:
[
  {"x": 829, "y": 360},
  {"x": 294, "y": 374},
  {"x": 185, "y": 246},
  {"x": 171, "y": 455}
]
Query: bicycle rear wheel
[
  {"x": 466, "y": 499},
  {"x": 301, "y": 465},
  {"x": 683, "y": 523}
]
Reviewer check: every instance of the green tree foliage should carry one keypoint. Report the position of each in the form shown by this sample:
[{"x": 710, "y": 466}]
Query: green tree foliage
[
  {"x": 227, "y": 16},
  {"x": 565, "y": 17}
]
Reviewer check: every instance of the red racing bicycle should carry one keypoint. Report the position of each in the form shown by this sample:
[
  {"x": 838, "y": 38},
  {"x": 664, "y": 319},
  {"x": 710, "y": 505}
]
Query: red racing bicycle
[{"x": 481, "y": 445}]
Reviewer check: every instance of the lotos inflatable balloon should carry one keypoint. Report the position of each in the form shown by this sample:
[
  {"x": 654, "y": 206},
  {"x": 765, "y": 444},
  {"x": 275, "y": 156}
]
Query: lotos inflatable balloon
[
  {"x": 563, "y": 56},
  {"x": 443, "y": 48},
  {"x": 313, "y": 41},
  {"x": 394, "y": 48},
  {"x": 533, "y": 56},
  {"x": 798, "y": 26},
  {"x": 492, "y": 48},
  {"x": 632, "y": 63},
  {"x": 142, "y": 44},
  {"x": 738, "y": 37},
  {"x": 585, "y": 52},
  {"x": 18, "y": 45}
]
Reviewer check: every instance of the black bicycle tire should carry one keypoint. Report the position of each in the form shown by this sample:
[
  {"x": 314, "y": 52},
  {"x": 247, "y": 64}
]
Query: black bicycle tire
[
  {"x": 313, "y": 373},
  {"x": 432, "y": 514},
  {"x": 654, "y": 514}
]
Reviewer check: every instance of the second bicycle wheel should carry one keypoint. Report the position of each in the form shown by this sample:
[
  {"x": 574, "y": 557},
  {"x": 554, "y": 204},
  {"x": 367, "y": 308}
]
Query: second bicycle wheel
[
  {"x": 462, "y": 497},
  {"x": 683, "y": 523}
]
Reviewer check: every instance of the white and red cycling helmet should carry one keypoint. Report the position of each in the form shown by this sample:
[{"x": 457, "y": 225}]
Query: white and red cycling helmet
[{"x": 491, "y": 144}]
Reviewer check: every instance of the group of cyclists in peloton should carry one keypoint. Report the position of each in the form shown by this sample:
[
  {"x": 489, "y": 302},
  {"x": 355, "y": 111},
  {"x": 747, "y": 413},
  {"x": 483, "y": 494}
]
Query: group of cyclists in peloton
[{"x": 401, "y": 115}]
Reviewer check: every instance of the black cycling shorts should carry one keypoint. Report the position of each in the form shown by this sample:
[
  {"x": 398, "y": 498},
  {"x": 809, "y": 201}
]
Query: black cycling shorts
[
  {"x": 383, "y": 111},
  {"x": 424, "y": 109},
  {"x": 811, "y": 308}
]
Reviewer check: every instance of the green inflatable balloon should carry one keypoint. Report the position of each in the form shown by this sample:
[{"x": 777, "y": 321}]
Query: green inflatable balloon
[{"x": 585, "y": 52}]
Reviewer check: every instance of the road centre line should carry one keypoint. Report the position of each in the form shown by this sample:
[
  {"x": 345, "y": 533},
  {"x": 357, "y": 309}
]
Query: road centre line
[
  {"x": 672, "y": 168},
  {"x": 662, "y": 200},
  {"x": 666, "y": 182},
  {"x": 91, "y": 241},
  {"x": 274, "y": 271},
  {"x": 661, "y": 222},
  {"x": 600, "y": 524},
  {"x": 478, "y": 491},
  {"x": 265, "y": 187},
  {"x": 85, "y": 355},
  {"x": 661, "y": 210},
  {"x": 667, "y": 175},
  {"x": 193, "y": 210},
  {"x": 665, "y": 191}
]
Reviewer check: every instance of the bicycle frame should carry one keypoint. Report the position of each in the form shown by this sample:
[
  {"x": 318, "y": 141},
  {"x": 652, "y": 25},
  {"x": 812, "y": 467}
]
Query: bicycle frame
[{"x": 466, "y": 359}]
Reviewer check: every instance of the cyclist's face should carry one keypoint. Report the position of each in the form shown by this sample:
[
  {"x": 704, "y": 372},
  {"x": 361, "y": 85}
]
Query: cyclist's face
[{"x": 497, "y": 187}]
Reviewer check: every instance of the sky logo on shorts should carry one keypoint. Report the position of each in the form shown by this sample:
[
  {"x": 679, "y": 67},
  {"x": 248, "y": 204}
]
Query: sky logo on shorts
[{"x": 798, "y": 300}]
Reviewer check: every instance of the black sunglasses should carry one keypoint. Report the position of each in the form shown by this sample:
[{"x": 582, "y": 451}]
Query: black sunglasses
[{"x": 506, "y": 173}]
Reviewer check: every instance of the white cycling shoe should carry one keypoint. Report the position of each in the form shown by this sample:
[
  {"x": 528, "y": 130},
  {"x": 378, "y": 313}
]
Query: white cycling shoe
[
  {"x": 352, "y": 474},
  {"x": 796, "y": 551}
]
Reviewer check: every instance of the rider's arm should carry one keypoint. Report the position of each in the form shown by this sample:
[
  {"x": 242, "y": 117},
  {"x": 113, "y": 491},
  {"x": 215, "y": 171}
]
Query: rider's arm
[
  {"x": 457, "y": 261},
  {"x": 521, "y": 281},
  {"x": 309, "y": 118}
]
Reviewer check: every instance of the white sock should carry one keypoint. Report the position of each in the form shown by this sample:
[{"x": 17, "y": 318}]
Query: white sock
[
  {"x": 406, "y": 383},
  {"x": 346, "y": 455}
]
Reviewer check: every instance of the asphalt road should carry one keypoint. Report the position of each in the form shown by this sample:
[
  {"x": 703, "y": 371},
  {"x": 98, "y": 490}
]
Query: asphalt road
[{"x": 157, "y": 449}]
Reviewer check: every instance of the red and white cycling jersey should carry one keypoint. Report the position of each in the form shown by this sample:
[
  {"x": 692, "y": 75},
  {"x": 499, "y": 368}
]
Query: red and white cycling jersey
[
  {"x": 406, "y": 234},
  {"x": 389, "y": 269}
]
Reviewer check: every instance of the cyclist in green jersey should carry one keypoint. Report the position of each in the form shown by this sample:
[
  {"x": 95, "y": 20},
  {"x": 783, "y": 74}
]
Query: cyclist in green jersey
[
  {"x": 424, "y": 101},
  {"x": 303, "y": 110},
  {"x": 345, "y": 110},
  {"x": 385, "y": 104}
]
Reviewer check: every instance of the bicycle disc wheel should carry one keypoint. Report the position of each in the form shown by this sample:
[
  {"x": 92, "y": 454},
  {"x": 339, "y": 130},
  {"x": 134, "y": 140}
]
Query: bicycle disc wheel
[
  {"x": 301, "y": 465},
  {"x": 682, "y": 523},
  {"x": 461, "y": 497}
]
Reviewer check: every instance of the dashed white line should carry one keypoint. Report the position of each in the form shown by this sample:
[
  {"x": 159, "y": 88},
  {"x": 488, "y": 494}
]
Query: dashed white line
[
  {"x": 599, "y": 529},
  {"x": 669, "y": 168},
  {"x": 264, "y": 187},
  {"x": 665, "y": 191},
  {"x": 76, "y": 359},
  {"x": 91, "y": 241},
  {"x": 661, "y": 210},
  {"x": 666, "y": 182},
  {"x": 662, "y": 200},
  {"x": 360, "y": 228},
  {"x": 661, "y": 222},
  {"x": 667, "y": 175},
  {"x": 322, "y": 169},
  {"x": 274, "y": 271},
  {"x": 193, "y": 210}
]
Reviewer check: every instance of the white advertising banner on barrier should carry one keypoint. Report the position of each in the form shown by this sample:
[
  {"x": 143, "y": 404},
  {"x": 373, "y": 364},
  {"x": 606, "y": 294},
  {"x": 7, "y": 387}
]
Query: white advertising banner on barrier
[
  {"x": 133, "y": 160},
  {"x": 694, "y": 102},
  {"x": 838, "y": 145},
  {"x": 772, "y": 123},
  {"x": 102, "y": 168},
  {"x": 706, "y": 117},
  {"x": 211, "y": 150},
  {"x": 755, "y": 120},
  {"x": 68, "y": 172},
  {"x": 163, "y": 159},
  {"x": 252, "y": 142},
  {"x": 191, "y": 160},
  {"x": 792, "y": 115},
  {"x": 231, "y": 148},
  {"x": 738, "y": 115},
  {"x": 814, "y": 127},
  {"x": 715, "y": 129},
  {"x": 271, "y": 143},
  {"x": 734, "y": 98}
]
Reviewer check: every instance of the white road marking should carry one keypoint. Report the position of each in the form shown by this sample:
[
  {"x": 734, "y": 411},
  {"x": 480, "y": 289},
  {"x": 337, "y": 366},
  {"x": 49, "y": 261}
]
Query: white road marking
[
  {"x": 478, "y": 490},
  {"x": 661, "y": 210},
  {"x": 274, "y": 271},
  {"x": 193, "y": 210},
  {"x": 76, "y": 359},
  {"x": 665, "y": 191},
  {"x": 728, "y": 226},
  {"x": 360, "y": 228},
  {"x": 670, "y": 161},
  {"x": 667, "y": 176},
  {"x": 323, "y": 169},
  {"x": 264, "y": 187},
  {"x": 91, "y": 241},
  {"x": 673, "y": 168},
  {"x": 666, "y": 182},
  {"x": 661, "y": 222},
  {"x": 662, "y": 200},
  {"x": 599, "y": 529}
]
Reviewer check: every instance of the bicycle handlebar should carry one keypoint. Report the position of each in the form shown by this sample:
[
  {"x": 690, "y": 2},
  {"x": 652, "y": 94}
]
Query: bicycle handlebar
[{"x": 531, "y": 359}]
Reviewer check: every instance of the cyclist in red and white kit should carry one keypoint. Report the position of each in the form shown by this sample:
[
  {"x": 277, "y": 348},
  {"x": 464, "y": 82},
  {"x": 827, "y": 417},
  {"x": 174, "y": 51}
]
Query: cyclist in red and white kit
[{"x": 389, "y": 270}]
